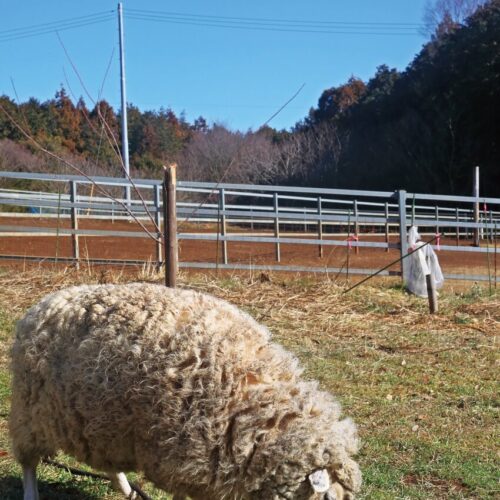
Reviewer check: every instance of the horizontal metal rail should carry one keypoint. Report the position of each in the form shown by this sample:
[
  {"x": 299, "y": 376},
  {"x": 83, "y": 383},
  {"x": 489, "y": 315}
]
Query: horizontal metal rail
[
  {"x": 291, "y": 215},
  {"x": 233, "y": 267}
]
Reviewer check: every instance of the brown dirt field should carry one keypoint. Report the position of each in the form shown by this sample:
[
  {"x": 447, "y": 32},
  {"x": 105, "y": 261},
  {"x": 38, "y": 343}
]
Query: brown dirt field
[{"x": 206, "y": 251}]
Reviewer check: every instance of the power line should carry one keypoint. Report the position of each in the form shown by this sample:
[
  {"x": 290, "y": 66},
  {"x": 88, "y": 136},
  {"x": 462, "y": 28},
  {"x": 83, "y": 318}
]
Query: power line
[
  {"x": 45, "y": 28},
  {"x": 341, "y": 30},
  {"x": 70, "y": 19},
  {"x": 269, "y": 20},
  {"x": 225, "y": 22}
]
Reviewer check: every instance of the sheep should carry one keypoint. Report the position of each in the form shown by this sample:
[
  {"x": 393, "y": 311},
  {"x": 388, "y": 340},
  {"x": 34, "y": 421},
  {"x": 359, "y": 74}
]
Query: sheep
[{"x": 179, "y": 385}]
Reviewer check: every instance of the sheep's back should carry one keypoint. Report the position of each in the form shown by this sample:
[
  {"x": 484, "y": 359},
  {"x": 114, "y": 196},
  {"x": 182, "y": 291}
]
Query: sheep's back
[{"x": 117, "y": 371}]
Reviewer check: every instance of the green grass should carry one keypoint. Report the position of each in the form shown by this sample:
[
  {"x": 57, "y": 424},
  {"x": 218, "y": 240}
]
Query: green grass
[{"x": 422, "y": 389}]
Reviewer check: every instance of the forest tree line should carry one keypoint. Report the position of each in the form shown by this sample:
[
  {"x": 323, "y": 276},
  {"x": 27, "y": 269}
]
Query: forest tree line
[{"x": 422, "y": 129}]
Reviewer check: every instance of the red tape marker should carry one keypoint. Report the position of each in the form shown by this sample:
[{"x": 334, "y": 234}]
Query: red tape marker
[
  {"x": 350, "y": 239},
  {"x": 438, "y": 241}
]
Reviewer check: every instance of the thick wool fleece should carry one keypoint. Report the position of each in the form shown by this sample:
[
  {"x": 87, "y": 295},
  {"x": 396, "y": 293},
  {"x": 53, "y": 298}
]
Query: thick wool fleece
[{"x": 177, "y": 384}]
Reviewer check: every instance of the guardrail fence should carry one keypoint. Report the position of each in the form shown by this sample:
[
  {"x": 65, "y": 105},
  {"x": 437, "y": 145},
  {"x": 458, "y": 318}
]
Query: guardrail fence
[{"x": 224, "y": 213}]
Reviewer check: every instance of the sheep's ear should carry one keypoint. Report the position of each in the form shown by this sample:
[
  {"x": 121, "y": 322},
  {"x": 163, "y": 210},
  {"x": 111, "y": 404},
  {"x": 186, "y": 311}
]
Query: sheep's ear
[{"x": 320, "y": 481}]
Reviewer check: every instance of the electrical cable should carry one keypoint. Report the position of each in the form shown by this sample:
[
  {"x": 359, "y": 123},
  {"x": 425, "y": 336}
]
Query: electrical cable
[
  {"x": 70, "y": 19},
  {"x": 30, "y": 32},
  {"x": 268, "y": 20},
  {"x": 277, "y": 28}
]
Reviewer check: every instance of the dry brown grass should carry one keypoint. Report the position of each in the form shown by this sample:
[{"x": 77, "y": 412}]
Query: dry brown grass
[{"x": 423, "y": 389}]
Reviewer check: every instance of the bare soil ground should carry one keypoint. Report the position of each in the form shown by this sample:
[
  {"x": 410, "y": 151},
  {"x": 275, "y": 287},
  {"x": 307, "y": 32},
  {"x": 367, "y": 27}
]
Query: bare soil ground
[{"x": 107, "y": 247}]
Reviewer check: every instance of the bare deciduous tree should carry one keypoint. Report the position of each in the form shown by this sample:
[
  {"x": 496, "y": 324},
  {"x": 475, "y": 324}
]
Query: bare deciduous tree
[{"x": 442, "y": 16}]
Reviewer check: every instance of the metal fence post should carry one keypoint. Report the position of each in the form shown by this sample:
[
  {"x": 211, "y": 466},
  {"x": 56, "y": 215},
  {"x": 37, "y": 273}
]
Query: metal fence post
[
  {"x": 74, "y": 222},
  {"x": 157, "y": 202},
  {"x": 403, "y": 242},
  {"x": 387, "y": 225},
  {"x": 475, "y": 192},
  {"x": 320, "y": 228},
  {"x": 277, "y": 226},
  {"x": 223, "y": 230},
  {"x": 356, "y": 225}
]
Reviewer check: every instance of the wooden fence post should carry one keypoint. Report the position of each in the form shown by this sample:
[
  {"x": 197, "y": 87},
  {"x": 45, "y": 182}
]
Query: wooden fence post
[
  {"x": 277, "y": 226},
  {"x": 157, "y": 202},
  {"x": 170, "y": 225},
  {"x": 320, "y": 228},
  {"x": 223, "y": 229},
  {"x": 74, "y": 222},
  {"x": 403, "y": 245}
]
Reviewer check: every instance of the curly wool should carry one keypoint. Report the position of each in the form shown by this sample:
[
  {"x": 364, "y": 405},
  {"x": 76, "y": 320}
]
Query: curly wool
[{"x": 177, "y": 384}]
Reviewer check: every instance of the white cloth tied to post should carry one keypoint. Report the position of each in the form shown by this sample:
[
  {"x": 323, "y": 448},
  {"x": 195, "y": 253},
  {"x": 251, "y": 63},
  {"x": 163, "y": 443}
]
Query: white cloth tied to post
[{"x": 420, "y": 264}]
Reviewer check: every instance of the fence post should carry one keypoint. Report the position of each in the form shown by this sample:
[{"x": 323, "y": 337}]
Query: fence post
[
  {"x": 475, "y": 192},
  {"x": 431, "y": 294},
  {"x": 170, "y": 225},
  {"x": 387, "y": 225},
  {"x": 74, "y": 223},
  {"x": 320, "y": 227},
  {"x": 277, "y": 227},
  {"x": 356, "y": 225},
  {"x": 437, "y": 219},
  {"x": 457, "y": 216},
  {"x": 403, "y": 245},
  {"x": 223, "y": 231},
  {"x": 157, "y": 202}
]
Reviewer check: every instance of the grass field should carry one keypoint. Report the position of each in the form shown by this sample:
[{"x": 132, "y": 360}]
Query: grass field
[{"x": 423, "y": 389}]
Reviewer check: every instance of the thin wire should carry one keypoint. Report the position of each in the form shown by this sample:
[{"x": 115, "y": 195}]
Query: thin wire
[
  {"x": 265, "y": 28},
  {"x": 251, "y": 24},
  {"x": 389, "y": 265},
  {"x": 81, "y": 172},
  {"x": 67, "y": 20},
  {"x": 8, "y": 38},
  {"x": 110, "y": 135},
  {"x": 284, "y": 105},
  {"x": 266, "y": 20}
]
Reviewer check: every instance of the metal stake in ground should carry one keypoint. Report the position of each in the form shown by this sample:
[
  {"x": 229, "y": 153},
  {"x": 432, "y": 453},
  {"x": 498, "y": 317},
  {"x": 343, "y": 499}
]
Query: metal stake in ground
[{"x": 170, "y": 225}]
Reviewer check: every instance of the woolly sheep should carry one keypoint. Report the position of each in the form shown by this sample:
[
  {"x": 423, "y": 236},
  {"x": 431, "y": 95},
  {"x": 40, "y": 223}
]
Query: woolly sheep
[{"x": 179, "y": 385}]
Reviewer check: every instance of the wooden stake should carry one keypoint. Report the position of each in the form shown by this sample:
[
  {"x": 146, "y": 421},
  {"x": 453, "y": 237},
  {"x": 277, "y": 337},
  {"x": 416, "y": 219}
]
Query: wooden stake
[
  {"x": 431, "y": 294},
  {"x": 170, "y": 225}
]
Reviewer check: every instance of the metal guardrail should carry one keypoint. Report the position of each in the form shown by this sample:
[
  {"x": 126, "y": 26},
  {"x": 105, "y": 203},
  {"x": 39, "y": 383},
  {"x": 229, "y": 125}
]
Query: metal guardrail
[{"x": 319, "y": 214}]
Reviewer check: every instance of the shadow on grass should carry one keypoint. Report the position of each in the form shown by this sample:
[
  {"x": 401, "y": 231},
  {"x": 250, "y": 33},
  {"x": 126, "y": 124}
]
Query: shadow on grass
[{"x": 11, "y": 488}]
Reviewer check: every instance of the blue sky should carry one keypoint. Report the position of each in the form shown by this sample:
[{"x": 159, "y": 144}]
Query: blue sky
[{"x": 233, "y": 76}]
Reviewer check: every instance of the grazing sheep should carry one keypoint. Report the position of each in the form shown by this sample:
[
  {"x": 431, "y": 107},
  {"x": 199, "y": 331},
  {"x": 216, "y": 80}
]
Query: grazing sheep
[{"x": 179, "y": 385}]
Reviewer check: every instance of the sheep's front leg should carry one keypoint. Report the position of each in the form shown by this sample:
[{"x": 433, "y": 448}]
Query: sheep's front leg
[
  {"x": 29, "y": 483},
  {"x": 120, "y": 483}
]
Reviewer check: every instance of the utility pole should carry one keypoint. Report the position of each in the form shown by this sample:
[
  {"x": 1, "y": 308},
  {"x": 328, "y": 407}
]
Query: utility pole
[{"x": 125, "y": 157}]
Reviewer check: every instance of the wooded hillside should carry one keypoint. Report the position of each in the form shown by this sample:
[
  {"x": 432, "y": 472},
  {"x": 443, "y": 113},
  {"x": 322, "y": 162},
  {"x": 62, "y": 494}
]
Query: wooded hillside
[{"x": 422, "y": 129}]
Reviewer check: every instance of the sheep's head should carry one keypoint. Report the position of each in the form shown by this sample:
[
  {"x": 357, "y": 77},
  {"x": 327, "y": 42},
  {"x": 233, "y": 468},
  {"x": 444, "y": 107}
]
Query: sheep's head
[
  {"x": 322, "y": 484},
  {"x": 321, "y": 487}
]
